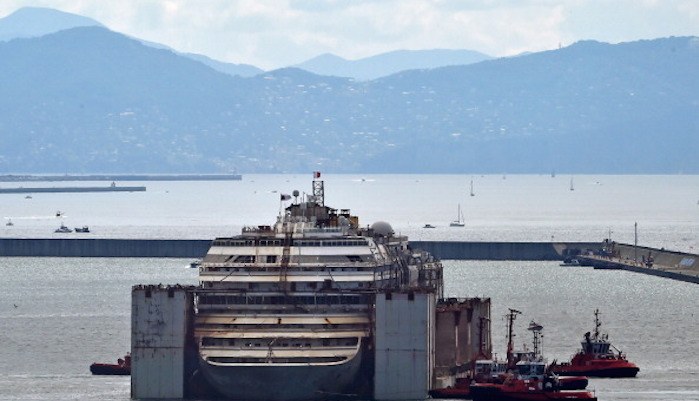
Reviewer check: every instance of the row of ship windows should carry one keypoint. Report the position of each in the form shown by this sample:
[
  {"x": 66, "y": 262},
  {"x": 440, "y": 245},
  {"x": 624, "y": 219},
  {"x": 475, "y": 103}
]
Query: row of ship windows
[
  {"x": 326, "y": 342},
  {"x": 292, "y": 259},
  {"x": 284, "y": 300},
  {"x": 279, "y": 242}
]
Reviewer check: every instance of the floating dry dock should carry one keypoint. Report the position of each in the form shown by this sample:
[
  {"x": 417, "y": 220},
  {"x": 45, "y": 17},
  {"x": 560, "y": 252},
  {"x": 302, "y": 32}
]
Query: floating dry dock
[
  {"x": 419, "y": 342},
  {"x": 35, "y": 190}
]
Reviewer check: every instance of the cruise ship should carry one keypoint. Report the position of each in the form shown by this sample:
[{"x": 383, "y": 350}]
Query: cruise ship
[{"x": 285, "y": 312}]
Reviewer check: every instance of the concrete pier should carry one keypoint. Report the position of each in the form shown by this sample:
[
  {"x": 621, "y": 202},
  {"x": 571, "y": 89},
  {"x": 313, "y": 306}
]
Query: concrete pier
[
  {"x": 669, "y": 264},
  {"x": 119, "y": 177}
]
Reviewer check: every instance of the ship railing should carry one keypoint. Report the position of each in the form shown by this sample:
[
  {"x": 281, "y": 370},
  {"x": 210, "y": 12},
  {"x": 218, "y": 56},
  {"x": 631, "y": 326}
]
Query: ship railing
[
  {"x": 344, "y": 319},
  {"x": 283, "y": 309},
  {"x": 257, "y": 229}
]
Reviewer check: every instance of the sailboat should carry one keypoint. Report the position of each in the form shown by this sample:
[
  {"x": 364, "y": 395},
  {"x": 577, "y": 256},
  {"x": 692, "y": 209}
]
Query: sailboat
[
  {"x": 572, "y": 188},
  {"x": 472, "y": 193},
  {"x": 459, "y": 222}
]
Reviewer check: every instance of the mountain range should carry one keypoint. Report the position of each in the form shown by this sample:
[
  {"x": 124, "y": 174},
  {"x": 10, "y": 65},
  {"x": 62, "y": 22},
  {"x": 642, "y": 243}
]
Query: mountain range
[
  {"x": 389, "y": 63},
  {"x": 30, "y": 22},
  {"x": 88, "y": 99}
]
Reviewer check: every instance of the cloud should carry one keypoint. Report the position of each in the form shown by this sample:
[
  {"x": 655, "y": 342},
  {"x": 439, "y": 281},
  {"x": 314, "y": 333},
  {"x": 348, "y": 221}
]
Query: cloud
[{"x": 277, "y": 33}]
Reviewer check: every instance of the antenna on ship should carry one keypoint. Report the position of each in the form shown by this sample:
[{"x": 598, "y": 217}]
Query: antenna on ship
[
  {"x": 318, "y": 191},
  {"x": 538, "y": 337}
]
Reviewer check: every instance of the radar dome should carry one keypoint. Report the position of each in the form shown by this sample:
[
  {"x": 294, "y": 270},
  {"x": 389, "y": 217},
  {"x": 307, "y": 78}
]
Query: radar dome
[{"x": 382, "y": 228}]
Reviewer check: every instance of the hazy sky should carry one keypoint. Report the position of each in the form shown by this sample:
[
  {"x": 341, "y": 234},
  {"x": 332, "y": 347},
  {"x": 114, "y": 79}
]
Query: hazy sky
[{"x": 277, "y": 33}]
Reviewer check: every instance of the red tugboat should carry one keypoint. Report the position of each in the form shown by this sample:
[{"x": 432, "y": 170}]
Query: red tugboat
[
  {"x": 485, "y": 370},
  {"x": 122, "y": 367},
  {"x": 531, "y": 380},
  {"x": 595, "y": 359}
]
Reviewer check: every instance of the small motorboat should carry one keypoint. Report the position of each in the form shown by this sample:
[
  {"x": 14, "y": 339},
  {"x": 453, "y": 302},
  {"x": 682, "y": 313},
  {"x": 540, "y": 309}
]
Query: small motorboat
[
  {"x": 63, "y": 229},
  {"x": 83, "y": 229},
  {"x": 122, "y": 367},
  {"x": 570, "y": 262},
  {"x": 9, "y": 223},
  {"x": 428, "y": 226},
  {"x": 595, "y": 359}
]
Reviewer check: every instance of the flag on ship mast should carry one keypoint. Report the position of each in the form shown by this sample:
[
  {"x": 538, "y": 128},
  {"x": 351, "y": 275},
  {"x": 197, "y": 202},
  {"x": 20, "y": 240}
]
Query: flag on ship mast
[
  {"x": 316, "y": 174},
  {"x": 285, "y": 197}
]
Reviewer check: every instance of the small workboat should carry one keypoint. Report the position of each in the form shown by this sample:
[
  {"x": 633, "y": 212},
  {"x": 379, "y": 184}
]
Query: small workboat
[
  {"x": 63, "y": 229},
  {"x": 83, "y": 229},
  {"x": 596, "y": 359},
  {"x": 122, "y": 367}
]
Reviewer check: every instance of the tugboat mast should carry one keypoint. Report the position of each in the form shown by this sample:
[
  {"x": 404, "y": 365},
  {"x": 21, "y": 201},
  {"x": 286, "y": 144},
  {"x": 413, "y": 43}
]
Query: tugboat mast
[
  {"x": 597, "y": 324},
  {"x": 510, "y": 336}
]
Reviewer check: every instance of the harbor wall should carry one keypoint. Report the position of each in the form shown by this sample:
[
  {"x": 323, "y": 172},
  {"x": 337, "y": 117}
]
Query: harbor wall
[
  {"x": 101, "y": 247},
  {"x": 104, "y": 248}
]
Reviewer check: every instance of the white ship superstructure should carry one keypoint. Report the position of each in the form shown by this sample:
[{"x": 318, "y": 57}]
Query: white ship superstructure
[{"x": 284, "y": 312}]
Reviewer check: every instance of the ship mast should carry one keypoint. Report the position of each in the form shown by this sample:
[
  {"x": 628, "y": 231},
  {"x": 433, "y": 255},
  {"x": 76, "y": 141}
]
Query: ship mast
[
  {"x": 318, "y": 190},
  {"x": 597, "y": 324},
  {"x": 510, "y": 336}
]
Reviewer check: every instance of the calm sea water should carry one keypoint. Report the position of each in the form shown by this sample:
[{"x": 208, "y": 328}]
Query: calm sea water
[
  {"x": 58, "y": 315},
  {"x": 504, "y": 208}
]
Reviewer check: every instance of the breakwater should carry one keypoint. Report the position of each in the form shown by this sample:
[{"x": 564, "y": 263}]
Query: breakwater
[
  {"x": 33, "y": 190},
  {"x": 641, "y": 259},
  {"x": 120, "y": 177},
  {"x": 104, "y": 248},
  {"x": 99, "y": 247},
  {"x": 668, "y": 264}
]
